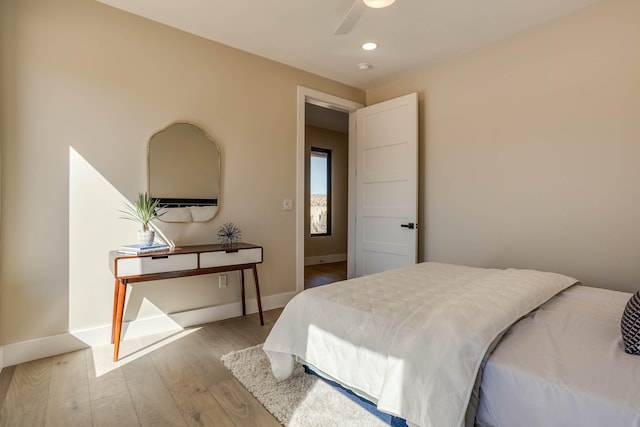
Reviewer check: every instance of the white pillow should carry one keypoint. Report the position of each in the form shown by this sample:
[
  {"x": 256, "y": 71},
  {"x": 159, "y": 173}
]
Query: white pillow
[
  {"x": 203, "y": 213},
  {"x": 176, "y": 215}
]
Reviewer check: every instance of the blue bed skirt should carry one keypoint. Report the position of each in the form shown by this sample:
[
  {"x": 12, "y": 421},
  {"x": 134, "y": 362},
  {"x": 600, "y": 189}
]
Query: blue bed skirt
[{"x": 364, "y": 403}]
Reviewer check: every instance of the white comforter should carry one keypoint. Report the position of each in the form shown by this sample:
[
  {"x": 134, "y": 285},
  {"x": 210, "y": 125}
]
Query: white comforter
[{"x": 410, "y": 339}]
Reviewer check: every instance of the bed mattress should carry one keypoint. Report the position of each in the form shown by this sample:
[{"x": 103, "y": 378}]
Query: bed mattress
[{"x": 564, "y": 366}]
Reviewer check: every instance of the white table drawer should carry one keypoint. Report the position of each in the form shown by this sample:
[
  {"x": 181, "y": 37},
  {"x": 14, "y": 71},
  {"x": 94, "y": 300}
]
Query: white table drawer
[
  {"x": 156, "y": 264},
  {"x": 222, "y": 258}
]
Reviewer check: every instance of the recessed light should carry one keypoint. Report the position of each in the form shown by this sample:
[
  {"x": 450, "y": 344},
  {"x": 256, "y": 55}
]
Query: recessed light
[
  {"x": 369, "y": 46},
  {"x": 378, "y": 3},
  {"x": 364, "y": 66}
]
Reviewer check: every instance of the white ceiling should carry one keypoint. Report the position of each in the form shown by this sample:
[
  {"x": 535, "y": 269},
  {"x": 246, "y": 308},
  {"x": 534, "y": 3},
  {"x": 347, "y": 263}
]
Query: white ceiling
[{"x": 411, "y": 34}]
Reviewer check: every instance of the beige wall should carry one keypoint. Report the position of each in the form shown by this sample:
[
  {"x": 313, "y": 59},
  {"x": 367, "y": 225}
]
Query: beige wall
[
  {"x": 83, "y": 88},
  {"x": 530, "y": 149},
  {"x": 338, "y": 143}
]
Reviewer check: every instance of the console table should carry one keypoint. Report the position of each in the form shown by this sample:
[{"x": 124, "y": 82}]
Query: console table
[{"x": 180, "y": 262}]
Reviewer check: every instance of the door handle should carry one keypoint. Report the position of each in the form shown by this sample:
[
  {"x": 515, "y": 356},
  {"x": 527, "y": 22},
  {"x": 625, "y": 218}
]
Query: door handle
[{"x": 410, "y": 226}]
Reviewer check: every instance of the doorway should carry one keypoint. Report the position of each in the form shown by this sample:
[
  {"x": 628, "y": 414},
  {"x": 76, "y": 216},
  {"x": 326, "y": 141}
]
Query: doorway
[
  {"x": 385, "y": 209},
  {"x": 326, "y": 195},
  {"x": 316, "y": 112}
]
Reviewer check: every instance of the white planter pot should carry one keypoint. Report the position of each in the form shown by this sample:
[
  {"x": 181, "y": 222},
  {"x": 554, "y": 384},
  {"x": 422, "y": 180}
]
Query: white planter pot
[{"x": 146, "y": 237}]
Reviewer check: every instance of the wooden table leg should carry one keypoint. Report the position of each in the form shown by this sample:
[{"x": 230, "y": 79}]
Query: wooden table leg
[
  {"x": 115, "y": 306},
  {"x": 244, "y": 304},
  {"x": 255, "y": 279},
  {"x": 122, "y": 293}
]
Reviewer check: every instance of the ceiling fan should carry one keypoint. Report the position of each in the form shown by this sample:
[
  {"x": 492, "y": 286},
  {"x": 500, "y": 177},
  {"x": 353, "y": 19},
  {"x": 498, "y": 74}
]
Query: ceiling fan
[{"x": 358, "y": 8}]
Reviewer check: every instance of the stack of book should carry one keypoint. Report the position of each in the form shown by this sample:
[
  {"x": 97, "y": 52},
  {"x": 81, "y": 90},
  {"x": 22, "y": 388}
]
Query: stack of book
[{"x": 137, "y": 249}]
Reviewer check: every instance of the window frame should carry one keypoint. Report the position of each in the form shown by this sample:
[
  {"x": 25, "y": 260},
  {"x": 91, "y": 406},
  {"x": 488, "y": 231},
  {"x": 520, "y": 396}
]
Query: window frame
[{"x": 328, "y": 153}]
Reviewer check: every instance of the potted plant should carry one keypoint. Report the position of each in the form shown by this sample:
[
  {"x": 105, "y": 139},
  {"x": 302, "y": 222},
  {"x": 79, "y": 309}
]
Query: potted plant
[{"x": 143, "y": 210}]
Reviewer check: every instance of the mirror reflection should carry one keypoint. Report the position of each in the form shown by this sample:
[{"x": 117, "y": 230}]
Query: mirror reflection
[{"x": 184, "y": 173}]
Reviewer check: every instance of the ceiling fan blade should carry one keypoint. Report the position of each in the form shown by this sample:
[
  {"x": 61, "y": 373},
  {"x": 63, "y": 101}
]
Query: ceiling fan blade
[{"x": 351, "y": 18}]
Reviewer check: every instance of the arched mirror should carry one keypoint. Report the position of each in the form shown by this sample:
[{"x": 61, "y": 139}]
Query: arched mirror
[{"x": 184, "y": 173}]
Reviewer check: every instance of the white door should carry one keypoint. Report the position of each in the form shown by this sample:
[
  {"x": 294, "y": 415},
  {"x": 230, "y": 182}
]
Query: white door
[{"x": 386, "y": 185}]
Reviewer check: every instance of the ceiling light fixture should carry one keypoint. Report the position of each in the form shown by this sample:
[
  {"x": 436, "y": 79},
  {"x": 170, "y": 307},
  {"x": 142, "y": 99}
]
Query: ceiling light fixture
[
  {"x": 369, "y": 46},
  {"x": 378, "y": 4},
  {"x": 364, "y": 66}
]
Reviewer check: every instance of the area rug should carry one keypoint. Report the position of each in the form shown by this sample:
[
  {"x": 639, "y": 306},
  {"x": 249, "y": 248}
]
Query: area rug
[{"x": 302, "y": 400}]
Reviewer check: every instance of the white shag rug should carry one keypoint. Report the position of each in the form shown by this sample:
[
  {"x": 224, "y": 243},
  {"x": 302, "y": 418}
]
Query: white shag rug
[{"x": 302, "y": 400}]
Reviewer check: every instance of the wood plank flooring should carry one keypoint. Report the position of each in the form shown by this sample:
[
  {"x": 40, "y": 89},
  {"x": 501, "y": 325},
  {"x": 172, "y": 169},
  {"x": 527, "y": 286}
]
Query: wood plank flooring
[
  {"x": 170, "y": 380},
  {"x": 323, "y": 274}
]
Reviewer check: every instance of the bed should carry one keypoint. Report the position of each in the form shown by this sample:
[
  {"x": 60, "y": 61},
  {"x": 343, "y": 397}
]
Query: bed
[{"x": 414, "y": 341}]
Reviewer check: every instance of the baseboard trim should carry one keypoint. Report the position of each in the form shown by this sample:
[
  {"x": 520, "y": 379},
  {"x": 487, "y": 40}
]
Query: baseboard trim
[
  {"x": 38, "y": 348},
  {"x": 25, "y": 351},
  {"x": 324, "y": 259}
]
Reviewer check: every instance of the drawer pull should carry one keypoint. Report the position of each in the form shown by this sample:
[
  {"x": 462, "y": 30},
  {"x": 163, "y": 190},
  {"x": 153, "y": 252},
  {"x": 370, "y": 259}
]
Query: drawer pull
[
  {"x": 230, "y": 251},
  {"x": 160, "y": 257}
]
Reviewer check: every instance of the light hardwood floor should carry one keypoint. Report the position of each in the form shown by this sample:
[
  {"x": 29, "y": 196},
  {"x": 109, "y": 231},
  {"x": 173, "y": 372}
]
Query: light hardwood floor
[{"x": 171, "y": 380}]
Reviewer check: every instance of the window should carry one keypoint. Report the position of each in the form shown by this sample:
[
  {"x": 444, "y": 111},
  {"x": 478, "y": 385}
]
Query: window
[{"x": 320, "y": 192}]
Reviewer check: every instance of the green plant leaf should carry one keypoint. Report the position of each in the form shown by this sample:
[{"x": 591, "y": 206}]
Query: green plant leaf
[{"x": 143, "y": 210}]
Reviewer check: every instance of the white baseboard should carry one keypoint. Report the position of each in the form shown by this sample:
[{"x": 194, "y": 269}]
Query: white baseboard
[
  {"x": 38, "y": 348},
  {"x": 25, "y": 351},
  {"x": 323, "y": 259}
]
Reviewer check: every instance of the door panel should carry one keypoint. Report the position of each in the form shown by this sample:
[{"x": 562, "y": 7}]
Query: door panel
[
  {"x": 386, "y": 185},
  {"x": 376, "y": 261},
  {"x": 391, "y": 196}
]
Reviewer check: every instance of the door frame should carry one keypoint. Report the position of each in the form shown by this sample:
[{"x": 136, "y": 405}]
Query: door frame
[{"x": 334, "y": 103}]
